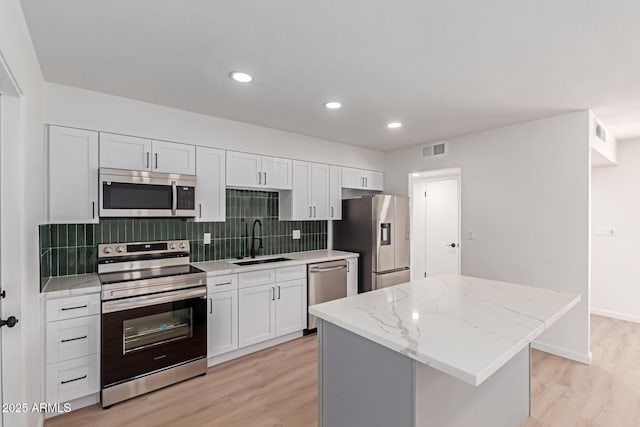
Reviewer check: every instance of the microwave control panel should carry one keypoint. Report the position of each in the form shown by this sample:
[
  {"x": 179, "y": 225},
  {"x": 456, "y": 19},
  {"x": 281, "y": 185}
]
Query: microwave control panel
[{"x": 186, "y": 198}]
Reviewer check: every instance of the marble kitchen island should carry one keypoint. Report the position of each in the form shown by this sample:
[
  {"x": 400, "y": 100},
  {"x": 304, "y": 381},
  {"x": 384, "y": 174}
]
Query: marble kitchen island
[{"x": 445, "y": 351}]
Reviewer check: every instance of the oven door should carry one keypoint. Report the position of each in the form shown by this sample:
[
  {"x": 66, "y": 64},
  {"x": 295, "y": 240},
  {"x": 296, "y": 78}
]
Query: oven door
[
  {"x": 146, "y": 194},
  {"x": 145, "y": 334}
]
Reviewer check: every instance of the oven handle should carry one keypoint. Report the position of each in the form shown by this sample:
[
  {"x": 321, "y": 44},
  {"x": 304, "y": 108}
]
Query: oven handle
[
  {"x": 149, "y": 300},
  {"x": 174, "y": 204}
]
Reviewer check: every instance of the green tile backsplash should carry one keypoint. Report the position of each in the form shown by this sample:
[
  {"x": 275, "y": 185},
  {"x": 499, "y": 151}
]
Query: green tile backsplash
[{"x": 67, "y": 249}]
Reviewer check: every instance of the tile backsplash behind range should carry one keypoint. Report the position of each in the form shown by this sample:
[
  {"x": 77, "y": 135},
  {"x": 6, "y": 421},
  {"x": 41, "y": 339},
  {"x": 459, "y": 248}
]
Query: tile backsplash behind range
[{"x": 67, "y": 249}]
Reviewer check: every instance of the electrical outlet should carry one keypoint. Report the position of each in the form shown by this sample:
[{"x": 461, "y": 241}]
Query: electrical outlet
[
  {"x": 296, "y": 234},
  {"x": 207, "y": 238}
]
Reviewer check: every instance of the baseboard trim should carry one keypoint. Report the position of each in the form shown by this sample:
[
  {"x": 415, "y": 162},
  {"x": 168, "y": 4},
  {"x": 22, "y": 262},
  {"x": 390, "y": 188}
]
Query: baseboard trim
[
  {"x": 216, "y": 360},
  {"x": 562, "y": 352},
  {"x": 81, "y": 402},
  {"x": 615, "y": 315}
]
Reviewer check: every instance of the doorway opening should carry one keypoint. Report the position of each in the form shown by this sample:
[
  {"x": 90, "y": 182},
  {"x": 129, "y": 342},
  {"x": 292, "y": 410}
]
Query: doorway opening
[{"x": 435, "y": 223}]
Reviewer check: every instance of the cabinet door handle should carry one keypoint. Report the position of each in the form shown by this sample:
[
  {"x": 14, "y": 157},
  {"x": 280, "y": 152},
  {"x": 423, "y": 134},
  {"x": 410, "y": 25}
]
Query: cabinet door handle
[
  {"x": 259, "y": 178},
  {"x": 148, "y": 160},
  {"x": 210, "y": 305},
  {"x": 314, "y": 211},
  {"x": 200, "y": 204},
  {"x": 75, "y": 379},
  {"x": 363, "y": 181},
  {"x": 73, "y": 308},
  {"x": 348, "y": 263},
  {"x": 223, "y": 284},
  {"x": 265, "y": 178},
  {"x": 273, "y": 294},
  {"x": 366, "y": 182},
  {"x": 331, "y": 211},
  {"x": 156, "y": 156},
  {"x": 74, "y": 339},
  {"x": 93, "y": 210},
  {"x": 278, "y": 292},
  {"x": 310, "y": 211}
]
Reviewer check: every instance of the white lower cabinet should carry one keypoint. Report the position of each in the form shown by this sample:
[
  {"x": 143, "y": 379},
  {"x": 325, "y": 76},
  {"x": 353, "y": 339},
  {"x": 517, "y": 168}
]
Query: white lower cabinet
[
  {"x": 223, "y": 323},
  {"x": 73, "y": 379},
  {"x": 291, "y": 304},
  {"x": 257, "y": 314},
  {"x": 271, "y": 310},
  {"x": 72, "y": 347},
  {"x": 222, "y": 319}
]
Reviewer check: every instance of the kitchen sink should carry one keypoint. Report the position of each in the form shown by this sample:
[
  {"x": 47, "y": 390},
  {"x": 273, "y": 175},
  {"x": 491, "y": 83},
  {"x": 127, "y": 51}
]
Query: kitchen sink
[{"x": 261, "y": 261}]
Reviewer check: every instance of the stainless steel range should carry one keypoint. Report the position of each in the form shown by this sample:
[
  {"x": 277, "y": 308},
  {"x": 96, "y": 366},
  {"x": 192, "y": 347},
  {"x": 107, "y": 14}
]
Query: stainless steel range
[{"x": 154, "y": 325}]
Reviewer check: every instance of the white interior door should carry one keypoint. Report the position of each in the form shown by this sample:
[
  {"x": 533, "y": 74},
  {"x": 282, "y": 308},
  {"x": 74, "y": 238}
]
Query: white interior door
[{"x": 442, "y": 227}]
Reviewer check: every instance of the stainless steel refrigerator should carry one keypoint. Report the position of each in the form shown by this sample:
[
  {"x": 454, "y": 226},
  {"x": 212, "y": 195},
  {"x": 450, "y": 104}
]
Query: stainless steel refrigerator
[{"x": 377, "y": 227}]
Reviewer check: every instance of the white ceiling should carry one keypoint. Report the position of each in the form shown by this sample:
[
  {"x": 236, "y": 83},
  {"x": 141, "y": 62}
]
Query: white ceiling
[{"x": 443, "y": 68}]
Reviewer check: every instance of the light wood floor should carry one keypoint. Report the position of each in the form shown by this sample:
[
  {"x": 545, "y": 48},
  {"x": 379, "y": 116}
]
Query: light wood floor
[{"x": 277, "y": 387}]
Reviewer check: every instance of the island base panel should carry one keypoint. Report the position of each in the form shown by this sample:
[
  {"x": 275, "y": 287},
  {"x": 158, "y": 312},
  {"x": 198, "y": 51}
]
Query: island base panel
[
  {"x": 362, "y": 383},
  {"x": 502, "y": 400}
]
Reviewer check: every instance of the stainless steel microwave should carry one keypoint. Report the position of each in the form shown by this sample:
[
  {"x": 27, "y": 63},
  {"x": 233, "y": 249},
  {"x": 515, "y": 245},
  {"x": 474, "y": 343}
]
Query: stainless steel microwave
[{"x": 129, "y": 193}]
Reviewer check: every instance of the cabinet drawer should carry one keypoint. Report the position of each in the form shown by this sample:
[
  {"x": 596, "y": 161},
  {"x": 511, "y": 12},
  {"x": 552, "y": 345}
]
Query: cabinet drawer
[
  {"x": 73, "y": 379},
  {"x": 291, "y": 273},
  {"x": 222, "y": 283},
  {"x": 73, "y": 338},
  {"x": 255, "y": 278},
  {"x": 72, "y": 307}
]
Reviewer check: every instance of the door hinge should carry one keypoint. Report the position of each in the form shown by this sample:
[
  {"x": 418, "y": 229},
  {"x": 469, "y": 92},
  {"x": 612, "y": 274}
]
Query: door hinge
[
  {"x": 3, "y": 294},
  {"x": 425, "y": 274},
  {"x": 425, "y": 194}
]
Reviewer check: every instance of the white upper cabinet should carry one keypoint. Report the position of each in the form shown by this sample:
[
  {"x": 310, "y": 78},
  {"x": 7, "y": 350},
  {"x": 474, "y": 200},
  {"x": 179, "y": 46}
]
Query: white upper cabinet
[
  {"x": 243, "y": 170},
  {"x": 255, "y": 171},
  {"x": 335, "y": 192},
  {"x": 360, "y": 179},
  {"x": 210, "y": 188},
  {"x": 124, "y": 152},
  {"x": 309, "y": 198},
  {"x": 73, "y": 175},
  {"x": 277, "y": 173},
  {"x": 171, "y": 157},
  {"x": 373, "y": 180},
  {"x": 129, "y": 152},
  {"x": 320, "y": 191}
]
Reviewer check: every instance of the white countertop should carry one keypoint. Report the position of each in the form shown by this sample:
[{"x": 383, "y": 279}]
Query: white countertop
[
  {"x": 226, "y": 266},
  {"x": 463, "y": 326},
  {"x": 67, "y": 286}
]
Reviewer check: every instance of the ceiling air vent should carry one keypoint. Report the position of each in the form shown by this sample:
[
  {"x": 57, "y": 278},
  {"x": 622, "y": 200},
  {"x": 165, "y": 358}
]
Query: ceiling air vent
[
  {"x": 600, "y": 132},
  {"x": 434, "y": 150}
]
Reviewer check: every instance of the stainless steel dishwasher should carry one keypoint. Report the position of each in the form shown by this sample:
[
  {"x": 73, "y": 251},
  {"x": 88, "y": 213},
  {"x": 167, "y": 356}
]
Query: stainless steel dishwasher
[{"x": 327, "y": 281}]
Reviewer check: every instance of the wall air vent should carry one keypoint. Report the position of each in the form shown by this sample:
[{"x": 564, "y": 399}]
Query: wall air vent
[
  {"x": 439, "y": 149},
  {"x": 600, "y": 132}
]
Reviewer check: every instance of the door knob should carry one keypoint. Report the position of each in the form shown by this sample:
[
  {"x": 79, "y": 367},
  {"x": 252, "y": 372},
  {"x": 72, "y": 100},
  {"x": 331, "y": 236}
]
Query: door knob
[
  {"x": 10, "y": 322},
  {"x": 452, "y": 245}
]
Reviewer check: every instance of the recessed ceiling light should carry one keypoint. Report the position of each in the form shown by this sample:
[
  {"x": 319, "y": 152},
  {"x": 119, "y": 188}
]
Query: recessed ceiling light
[
  {"x": 394, "y": 125},
  {"x": 240, "y": 77},
  {"x": 416, "y": 174},
  {"x": 332, "y": 105}
]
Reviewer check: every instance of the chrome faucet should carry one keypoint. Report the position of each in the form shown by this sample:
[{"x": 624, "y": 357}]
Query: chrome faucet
[{"x": 254, "y": 251}]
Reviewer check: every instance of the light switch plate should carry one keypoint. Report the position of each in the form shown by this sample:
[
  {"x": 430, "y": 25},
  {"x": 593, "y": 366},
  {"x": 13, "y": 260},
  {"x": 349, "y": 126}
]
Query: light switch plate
[
  {"x": 296, "y": 234},
  {"x": 207, "y": 238}
]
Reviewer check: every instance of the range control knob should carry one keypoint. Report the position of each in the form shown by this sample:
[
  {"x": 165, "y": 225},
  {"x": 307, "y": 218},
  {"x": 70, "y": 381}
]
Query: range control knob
[
  {"x": 107, "y": 250},
  {"x": 182, "y": 245},
  {"x": 172, "y": 246},
  {"x": 120, "y": 249}
]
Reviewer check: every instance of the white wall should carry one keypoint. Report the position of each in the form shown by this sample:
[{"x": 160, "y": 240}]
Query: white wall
[
  {"x": 615, "y": 206},
  {"x": 525, "y": 194},
  {"x": 68, "y": 106},
  {"x": 22, "y": 209}
]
